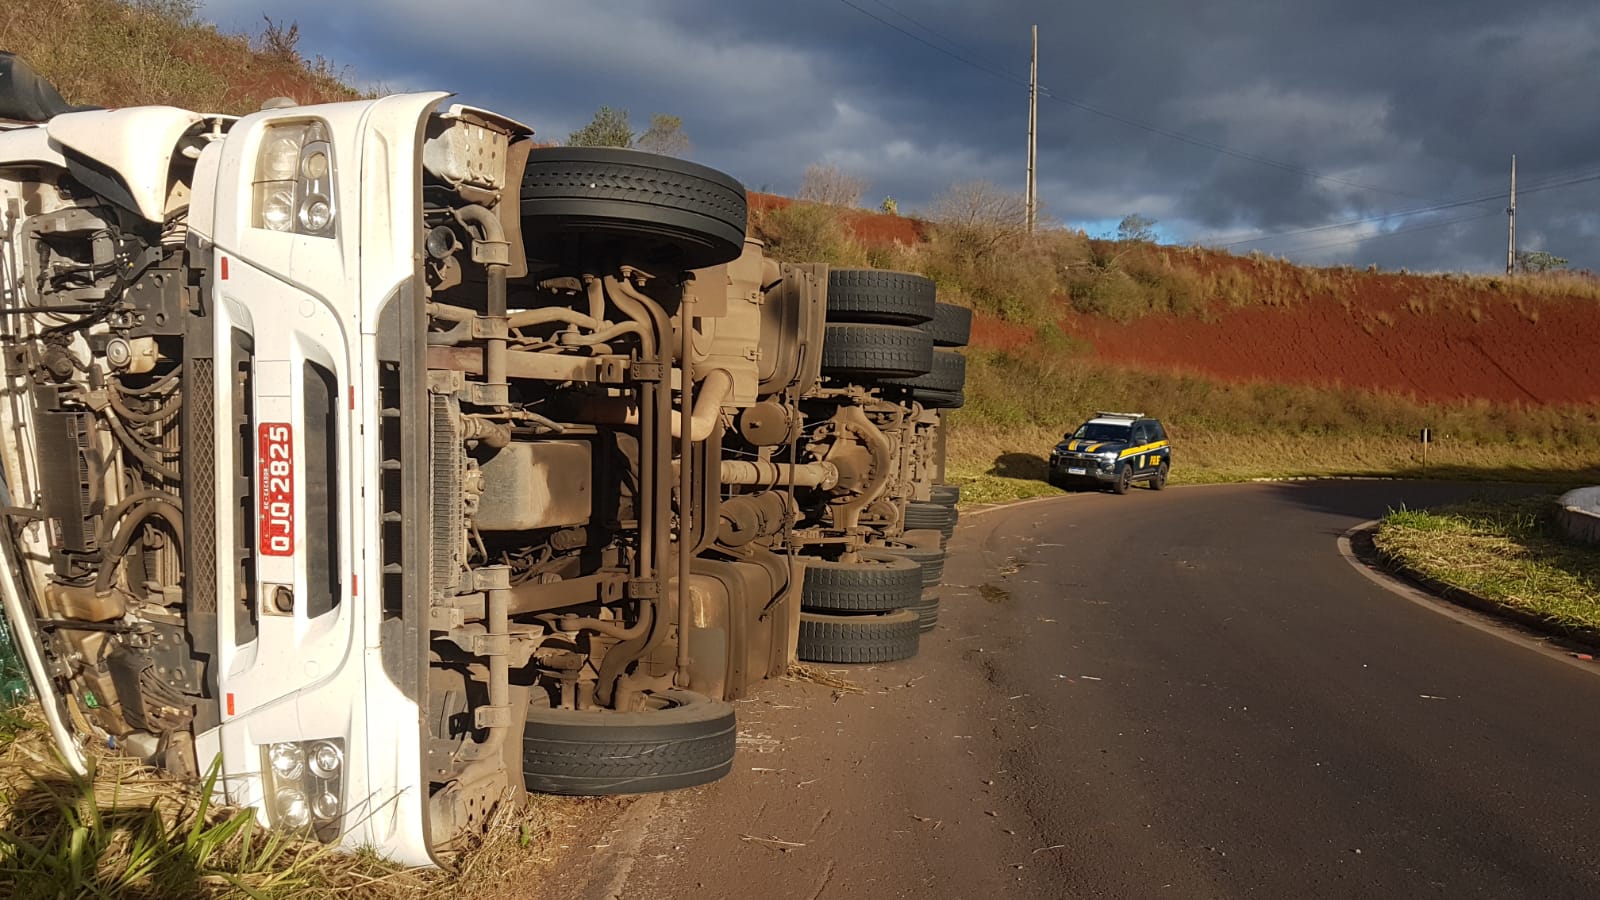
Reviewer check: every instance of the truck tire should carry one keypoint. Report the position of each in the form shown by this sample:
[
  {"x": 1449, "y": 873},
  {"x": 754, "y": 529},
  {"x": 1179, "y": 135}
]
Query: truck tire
[
  {"x": 643, "y": 207},
  {"x": 926, "y": 514},
  {"x": 945, "y": 494},
  {"x": 939, "y": 399},
  {"x": 951, "y": 325},
  {"x": 882, "y": 583},
  {"x": 931, "y": 559},
  {"x": 859, "y": 639},
  {"x": 689, "y": 741},
  {"x": 878, "y": 296},
  {"x": 947, "y": 375},
  {"x": 876, "y": 351},
  {"x": 927, "y": 611}
]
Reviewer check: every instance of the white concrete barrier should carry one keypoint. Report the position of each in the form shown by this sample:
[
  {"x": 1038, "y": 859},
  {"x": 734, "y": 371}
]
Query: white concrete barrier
[{"x": 1578, "y": 512}]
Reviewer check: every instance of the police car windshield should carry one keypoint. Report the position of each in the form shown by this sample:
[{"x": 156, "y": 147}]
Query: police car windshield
[{"x": 1101, "y": 431}]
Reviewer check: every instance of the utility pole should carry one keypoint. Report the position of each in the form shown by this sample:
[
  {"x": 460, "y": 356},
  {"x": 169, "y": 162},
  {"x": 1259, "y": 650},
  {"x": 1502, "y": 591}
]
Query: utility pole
[
  {"x": 1511, "y": 222},
  {"x": 1033, "y": 135}
]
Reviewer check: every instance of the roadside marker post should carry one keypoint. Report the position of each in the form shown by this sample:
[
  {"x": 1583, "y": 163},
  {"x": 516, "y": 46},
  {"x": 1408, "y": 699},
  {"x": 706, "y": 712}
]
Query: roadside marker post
[{"x": 1427, "y": 438}]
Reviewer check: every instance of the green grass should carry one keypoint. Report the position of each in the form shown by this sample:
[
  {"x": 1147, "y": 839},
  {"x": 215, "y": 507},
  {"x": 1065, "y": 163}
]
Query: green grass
[
  {"x": 129, "y": 831},
  {"x": 1505, "y": 551},
  {"x": 1019, "y": 403},
  {"x": 997, "y": 465}
]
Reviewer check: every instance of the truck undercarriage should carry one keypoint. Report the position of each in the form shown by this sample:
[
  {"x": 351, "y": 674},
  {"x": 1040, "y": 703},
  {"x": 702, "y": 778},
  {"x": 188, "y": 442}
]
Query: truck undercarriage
[{"x": 430, "y": 465}]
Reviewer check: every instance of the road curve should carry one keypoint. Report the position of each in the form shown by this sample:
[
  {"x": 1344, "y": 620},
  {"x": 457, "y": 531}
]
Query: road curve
[{"x": 1188, "y": 693}]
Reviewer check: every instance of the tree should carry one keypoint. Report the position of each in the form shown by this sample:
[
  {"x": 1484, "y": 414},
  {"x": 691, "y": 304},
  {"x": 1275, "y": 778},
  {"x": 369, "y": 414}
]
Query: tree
[
  {"x": 280, "y": 41},
  {"x": 1136, "y": 227},
  {"x": 608, "y": 128},
  {"x": 976, "y": 219},
  {"x": 831, "y": 186},
  {"x": 982, "y": 206},
  {"x": 665, "y": 135},
  {"x": 1535, "y": 261}
]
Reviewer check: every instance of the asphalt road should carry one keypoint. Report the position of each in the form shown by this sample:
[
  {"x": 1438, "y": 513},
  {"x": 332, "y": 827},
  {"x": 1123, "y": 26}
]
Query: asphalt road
[{"x": 1188, "y": 693}]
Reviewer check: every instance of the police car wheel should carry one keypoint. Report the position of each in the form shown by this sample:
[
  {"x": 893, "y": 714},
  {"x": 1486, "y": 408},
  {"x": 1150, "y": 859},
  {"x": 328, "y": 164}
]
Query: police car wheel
[
  {"x": 1124, "y": 480},
  {"x": 1160, "y": 479}
]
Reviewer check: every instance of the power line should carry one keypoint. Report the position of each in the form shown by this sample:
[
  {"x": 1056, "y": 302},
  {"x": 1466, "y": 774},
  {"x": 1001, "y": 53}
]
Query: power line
[
  {"x": 988, "y": 67},
  {"x": 930, "y": 30},
  {"x": 1458, "y": 220},
  {"x": 1550, "y": 182},
  {"x": 1221, "y": 148},
  {"x": 929, "y": 44},
  {"x": 1108, "y": 114}
]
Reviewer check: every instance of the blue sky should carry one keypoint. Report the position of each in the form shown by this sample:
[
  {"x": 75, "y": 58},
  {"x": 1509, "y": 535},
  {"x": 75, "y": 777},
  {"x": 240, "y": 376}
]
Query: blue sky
[{"x": 1329, "y": 131}]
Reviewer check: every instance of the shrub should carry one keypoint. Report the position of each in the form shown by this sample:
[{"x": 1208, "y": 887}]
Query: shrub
[
  {"x": 831, "y": 186},
  {"x": 809, "y": 232}
]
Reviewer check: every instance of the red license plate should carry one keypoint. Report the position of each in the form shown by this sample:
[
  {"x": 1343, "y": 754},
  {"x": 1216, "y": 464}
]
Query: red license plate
[{"x": 275, "y": 461}]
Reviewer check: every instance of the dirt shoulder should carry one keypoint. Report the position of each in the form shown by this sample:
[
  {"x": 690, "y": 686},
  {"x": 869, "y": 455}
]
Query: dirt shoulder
[{"x": 898, "y": 790}]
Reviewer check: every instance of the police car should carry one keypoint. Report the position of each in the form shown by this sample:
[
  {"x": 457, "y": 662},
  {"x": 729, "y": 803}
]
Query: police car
[{"x": 1115, "y": 449}]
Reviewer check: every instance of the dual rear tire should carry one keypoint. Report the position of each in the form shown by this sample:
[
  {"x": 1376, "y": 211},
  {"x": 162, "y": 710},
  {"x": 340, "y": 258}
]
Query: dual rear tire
[{"x": 859, "y": 612}]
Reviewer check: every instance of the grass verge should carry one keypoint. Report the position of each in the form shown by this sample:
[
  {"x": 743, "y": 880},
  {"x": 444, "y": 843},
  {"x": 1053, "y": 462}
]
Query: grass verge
[
  {"x": 1504, "y": 551},
  {"x": 995, "y": 464},
  {"x": 1019, "y": 403}
]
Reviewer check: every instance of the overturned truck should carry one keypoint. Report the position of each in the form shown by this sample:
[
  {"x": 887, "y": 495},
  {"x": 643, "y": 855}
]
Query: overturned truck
[{"x": 394, "y": 466}]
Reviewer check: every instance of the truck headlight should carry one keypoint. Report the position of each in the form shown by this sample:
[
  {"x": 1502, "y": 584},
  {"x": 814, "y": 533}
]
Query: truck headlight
[
  {"x": 294, "y": 180},
  {"x": 277, "y": 207},
  {"x": 305, "y": 785},
  {"x": 326, "y": 759},
  {"x": 292, "y": 809},
  {"x": 287, "y": 760},
  {"x": 316, "y": 214},
  {"x": 325, "y": 805}
]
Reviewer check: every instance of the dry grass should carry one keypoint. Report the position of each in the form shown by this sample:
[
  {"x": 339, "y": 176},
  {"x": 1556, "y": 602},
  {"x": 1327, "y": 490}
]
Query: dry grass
[
  {"x": 808, "y": 232},
  {"x": 1020, "y": 403},
  {"x": 819, "y": 676},
  {"x": 130, "y": 831},
  {"x": 1505, "y": 551},
  {"x": 112, "y": 53}
]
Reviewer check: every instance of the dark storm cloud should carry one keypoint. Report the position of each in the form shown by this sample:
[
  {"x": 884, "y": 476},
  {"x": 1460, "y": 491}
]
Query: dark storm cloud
[{"x": 1401, "y": 105}]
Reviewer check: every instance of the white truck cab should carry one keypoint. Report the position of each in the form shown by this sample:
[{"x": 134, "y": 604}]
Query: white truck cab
[{"x": 394, "y": 466}]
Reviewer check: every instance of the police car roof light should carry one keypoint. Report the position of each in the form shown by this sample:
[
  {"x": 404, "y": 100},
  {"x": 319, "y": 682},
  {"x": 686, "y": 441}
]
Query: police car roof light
[{"x": 1118, "y": 415}]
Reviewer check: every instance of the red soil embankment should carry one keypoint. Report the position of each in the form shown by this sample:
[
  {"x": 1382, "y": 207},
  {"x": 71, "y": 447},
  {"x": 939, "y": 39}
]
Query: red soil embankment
[
  {"x": 1532, "y": 352},
  {"x": 1435, "y": 338},
  {"x": 1503, "y": 357}
]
